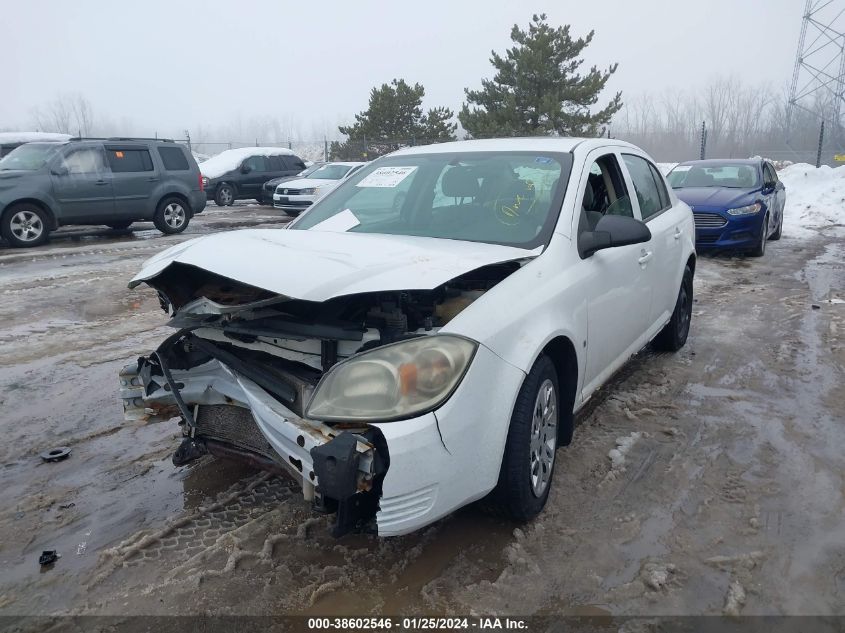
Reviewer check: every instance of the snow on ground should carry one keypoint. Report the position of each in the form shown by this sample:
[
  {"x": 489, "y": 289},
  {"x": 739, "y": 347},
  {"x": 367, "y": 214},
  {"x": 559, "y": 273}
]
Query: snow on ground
[
  {"x": 232, "y": 158},
  {"x": 815, "y": 198},
  {"x": 30, "y": 137}
]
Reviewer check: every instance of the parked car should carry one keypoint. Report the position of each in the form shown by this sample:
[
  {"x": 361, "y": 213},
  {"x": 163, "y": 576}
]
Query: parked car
[
  {"x": 13, "y": 140},
  {"x": 434, "y": 351},
  {"x": 270, "y": 186},
  {"x": 295, "y": 196},
  {"x": 113, "y": 181},
  {"x": 240, "y": 174},
  {"x": 737, "y": 204}
]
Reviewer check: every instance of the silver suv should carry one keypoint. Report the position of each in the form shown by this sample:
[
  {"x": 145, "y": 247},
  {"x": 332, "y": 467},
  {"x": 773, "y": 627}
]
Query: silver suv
[{"x": 113, "y": 181}]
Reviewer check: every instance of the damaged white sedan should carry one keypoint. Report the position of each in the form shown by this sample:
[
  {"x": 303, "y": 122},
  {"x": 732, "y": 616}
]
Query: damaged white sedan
[{"x": 421, "y": 337}]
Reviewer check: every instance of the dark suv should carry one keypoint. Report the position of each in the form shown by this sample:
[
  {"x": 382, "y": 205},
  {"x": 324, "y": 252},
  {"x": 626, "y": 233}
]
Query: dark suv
[
  {"x": 240, "y": 174},
  {"x": 113, "y": 181}
]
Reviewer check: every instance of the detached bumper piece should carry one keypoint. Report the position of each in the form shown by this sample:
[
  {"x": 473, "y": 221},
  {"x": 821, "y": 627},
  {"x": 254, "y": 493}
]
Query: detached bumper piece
[
  {"x": 232, "y": 404},
  {"x": 355, "y": 497}
]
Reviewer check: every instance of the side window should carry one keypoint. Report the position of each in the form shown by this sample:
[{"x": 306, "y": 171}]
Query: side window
[
  {"x": 88, "y": 160},
  {"x": 604, "y": 193},
  {"x": 665, "y": 201},
  {"x": 256, "y": 163},
  {"x": 129, "y": 160},
  {"x": 274, "y": 163},
  {"x": 769, "y": 175},
  {"x": 644, "y": 185},
  {"x": 173, "y": 159}
]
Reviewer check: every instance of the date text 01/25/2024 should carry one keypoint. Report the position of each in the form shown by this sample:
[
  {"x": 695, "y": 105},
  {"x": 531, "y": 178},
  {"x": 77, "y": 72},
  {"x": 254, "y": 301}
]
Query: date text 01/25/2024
[{"x": 418, "y": 623}]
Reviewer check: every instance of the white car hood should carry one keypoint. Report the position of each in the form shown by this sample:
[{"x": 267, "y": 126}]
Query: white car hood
[
  {"x": 319, "y": 265},
  {"x": 307, "y": 183}
]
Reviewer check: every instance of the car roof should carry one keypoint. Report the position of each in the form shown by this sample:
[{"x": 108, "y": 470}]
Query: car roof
[
  {"x": 516, "y": 144},
  {"x": 723, "y": 161}
]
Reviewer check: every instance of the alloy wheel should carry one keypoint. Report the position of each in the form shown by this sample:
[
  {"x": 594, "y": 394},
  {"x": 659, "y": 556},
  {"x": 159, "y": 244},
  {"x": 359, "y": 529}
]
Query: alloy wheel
[
  {"x": 174, "y": 215},
  {"x": 543, "y": 437},
  {"x": 26, "y": 226}
]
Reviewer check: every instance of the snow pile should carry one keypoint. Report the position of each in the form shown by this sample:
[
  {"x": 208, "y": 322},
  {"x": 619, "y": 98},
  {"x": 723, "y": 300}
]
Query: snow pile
[
  {"x": 231, "y": 159},
  {"x": 8, "y": 138},
  {"x": 815, "y": 198},
  {"x": 623, "y": 445}
]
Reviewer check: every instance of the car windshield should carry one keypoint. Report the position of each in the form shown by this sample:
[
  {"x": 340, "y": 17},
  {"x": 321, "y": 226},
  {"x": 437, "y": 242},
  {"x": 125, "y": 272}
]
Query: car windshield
[
  {"x": 502, "y": 198},
  {"x": 330, "y": 172},
  {"x": 29, "y": 157},
  {"x": 733, "y": 176}
]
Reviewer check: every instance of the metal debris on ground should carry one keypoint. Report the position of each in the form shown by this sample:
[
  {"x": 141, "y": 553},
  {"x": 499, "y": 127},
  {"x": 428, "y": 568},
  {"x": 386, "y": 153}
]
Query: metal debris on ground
[
  {"x": 48, "y": 557},
  {"x": 56, "y": 454}
]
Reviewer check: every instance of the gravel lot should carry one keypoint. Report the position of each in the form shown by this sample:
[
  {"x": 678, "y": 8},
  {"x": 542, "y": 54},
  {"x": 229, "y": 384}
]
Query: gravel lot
[{"x": 729, "y": 494}]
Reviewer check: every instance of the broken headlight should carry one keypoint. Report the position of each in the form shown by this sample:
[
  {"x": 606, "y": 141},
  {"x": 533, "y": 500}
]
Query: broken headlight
[{"x": 393, "y": 382}]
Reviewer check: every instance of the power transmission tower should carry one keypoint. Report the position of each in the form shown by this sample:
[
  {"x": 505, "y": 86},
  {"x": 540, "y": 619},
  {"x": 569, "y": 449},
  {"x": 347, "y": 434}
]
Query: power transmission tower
[{"x": 820, "y": 62}]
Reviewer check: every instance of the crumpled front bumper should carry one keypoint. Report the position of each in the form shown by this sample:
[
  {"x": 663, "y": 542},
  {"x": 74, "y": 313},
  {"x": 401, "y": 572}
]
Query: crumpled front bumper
[{"x": 327, "y": 462}]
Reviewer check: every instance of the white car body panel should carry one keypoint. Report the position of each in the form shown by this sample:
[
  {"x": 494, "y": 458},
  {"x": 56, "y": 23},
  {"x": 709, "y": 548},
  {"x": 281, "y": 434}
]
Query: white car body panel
[{"x": 606, "y": 306}]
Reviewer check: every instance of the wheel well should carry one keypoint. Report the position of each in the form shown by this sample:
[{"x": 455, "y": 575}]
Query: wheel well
[
  {"x": 50, "y": 215},
  {"x": 178, "y": 196},
  {"x": 561, "y": 351},
  {"x": 691, "y": 263}
]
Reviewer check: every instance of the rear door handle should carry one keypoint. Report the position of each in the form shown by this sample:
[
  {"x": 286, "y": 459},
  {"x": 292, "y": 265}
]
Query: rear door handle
[
  {"x": 678, "y": 233},
  {"x": 152, "y": 179},
  {"x": 101, "y": 182},
  {"x": 646, "y": 256}
]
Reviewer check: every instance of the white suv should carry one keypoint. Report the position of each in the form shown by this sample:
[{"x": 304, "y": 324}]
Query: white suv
[{"x": 421, "y": 338}]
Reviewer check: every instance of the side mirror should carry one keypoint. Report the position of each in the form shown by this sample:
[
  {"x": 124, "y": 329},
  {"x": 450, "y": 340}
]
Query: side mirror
[
  {"x": 59, "y": 170},
  {"x": 245, "y": 169},
  {"x": 612, "y": 231}
]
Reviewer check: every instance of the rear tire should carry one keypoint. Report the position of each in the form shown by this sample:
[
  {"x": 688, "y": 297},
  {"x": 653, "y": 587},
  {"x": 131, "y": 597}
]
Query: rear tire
[
  {"x": 225, "y": 195},
  {"x": 674, "y": 334},
  {"x": 172, "y": 216},
  {"x": 25, "y": 225},
  {"x": 525, "y": 476}
]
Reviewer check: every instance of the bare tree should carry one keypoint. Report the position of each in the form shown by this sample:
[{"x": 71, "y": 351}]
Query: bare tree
[{"x": 68, "y": 113}]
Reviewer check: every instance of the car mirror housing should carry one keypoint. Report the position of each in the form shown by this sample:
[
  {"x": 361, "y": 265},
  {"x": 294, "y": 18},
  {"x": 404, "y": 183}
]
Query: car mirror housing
[
  {"x": 612, "y": 231},
  {"x": 59, "y": 170}
]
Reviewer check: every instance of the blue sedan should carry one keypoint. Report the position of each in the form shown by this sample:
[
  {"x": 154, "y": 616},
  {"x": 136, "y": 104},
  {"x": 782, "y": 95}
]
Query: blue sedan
[{"x": 737, "y": 204}]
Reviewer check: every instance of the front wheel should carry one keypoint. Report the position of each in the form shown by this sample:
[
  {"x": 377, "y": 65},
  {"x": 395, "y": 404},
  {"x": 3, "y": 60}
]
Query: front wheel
[
  {"x": 25, "y": 225},
  {"x": 760, "y": 249},
  {"x": 778, "y": 231},
  {"x": 525, "y": 477},
  {"x": 171, "y": 216},
  {"x": 674, "y": 334}
]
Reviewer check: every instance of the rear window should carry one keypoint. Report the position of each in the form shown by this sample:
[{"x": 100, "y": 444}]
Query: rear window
[
  {"x": 174, "y": 159},
  {"x": 129, "y": 160}
]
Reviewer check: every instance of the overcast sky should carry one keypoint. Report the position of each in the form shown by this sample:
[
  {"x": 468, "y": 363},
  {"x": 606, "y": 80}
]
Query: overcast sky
[{"x": 168, "y": 65}]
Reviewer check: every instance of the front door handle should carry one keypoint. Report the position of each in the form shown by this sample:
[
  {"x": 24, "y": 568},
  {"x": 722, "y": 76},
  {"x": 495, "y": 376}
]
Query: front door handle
[
  {"x": 101, "y": 182},
  {"x": 646, "y": 256},
  {"x": 152, "y": 179},
  {"x": 678, "y": 233}
]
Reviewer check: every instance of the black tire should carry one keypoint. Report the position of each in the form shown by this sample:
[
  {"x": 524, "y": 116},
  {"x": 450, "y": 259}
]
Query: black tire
[
  {"x": 225, "y": 195},
  {"x": 515, "y": 495},
  {"x": 172, "y": 215},
  {"x": 779, "y": 231},
  {"x": 119, "y": 226},
  {"x": 25, "y": 225},
  {"x": 674, "y": 334},
  {"x": 760, "y": 249}
]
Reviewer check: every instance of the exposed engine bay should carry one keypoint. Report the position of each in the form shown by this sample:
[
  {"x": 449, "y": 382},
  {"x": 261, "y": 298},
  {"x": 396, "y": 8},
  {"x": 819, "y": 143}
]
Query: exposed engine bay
[{"x": 244, "y": 363}]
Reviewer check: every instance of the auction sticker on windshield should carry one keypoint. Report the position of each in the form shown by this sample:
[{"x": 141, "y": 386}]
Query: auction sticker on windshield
[{"x": 386, "y": 177}]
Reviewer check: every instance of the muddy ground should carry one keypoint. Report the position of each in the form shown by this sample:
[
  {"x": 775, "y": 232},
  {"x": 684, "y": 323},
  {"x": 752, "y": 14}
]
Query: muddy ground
[{"x": 725, "y": 494}]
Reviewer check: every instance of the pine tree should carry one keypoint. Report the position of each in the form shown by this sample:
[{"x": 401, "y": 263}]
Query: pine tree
[
  {"x": 393, "y": 119},
  {"x": 537, "y": 88}
]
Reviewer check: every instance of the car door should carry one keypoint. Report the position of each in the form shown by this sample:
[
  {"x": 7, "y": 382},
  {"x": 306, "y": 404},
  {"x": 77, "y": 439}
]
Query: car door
[
  {"x": 661, "y": 256},
  {"x": 82, "y": 185},
  {"x": 615, "y": 281},
  {"x": 255, "y": 172},
  {"x": 774, "y": 193},
  {"x": 135, "y": 178}
]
